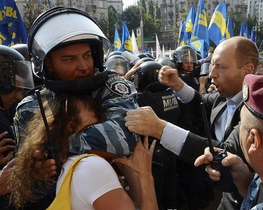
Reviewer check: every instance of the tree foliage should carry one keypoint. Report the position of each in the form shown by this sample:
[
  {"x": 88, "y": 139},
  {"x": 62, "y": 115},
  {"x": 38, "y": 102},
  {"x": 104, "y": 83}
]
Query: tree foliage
[
  {"x": 144, "y": 5},
  {"x": 31, "y": 11},
  {"x": 239, "y": 17},
  {"x": 114, "y": 22},
  {"x": 157, "y": 11},
  {"x": 131, "y": 16},
  {"x": 151, "y": 9},
  {"x": 151, "y": 24},
  {"x": 103, "y": 23}
]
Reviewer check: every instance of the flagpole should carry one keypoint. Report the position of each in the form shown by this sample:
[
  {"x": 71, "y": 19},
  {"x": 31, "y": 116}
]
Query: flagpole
[
  {"x": 256, "y": 28},
  {"x": 141, "y": 25}
]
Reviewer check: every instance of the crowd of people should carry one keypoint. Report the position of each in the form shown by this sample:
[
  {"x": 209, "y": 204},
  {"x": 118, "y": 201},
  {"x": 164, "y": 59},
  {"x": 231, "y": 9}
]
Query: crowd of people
[{"x": 121, "y": 131}]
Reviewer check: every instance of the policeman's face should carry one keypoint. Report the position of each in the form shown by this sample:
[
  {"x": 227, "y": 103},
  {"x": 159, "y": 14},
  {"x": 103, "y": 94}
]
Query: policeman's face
[
  {"x": 11, "y": 98},
  {"x": 71, "y": 62},
  {"x": 187, "y": 63},
  {"x": 120, "y": 71}
]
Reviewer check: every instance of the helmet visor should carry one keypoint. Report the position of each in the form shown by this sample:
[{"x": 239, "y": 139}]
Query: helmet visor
[
  {"x": 113, "y": 64},
  {"x": 205, "y": 69},
  {"x": 188, "y": 56},
  {"x": 19, "y": 72},
  {"x": 67, "y": 28}
]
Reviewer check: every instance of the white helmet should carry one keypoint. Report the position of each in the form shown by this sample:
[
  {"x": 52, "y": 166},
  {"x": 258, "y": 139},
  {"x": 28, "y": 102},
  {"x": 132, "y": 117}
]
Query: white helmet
[{"x": 59, "y": 27}]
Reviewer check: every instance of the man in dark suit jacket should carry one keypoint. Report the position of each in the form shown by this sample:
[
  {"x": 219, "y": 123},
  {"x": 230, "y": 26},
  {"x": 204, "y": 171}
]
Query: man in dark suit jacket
[
  {"x": 251, "y": 137},
  {"x": 232, "y": 60}
]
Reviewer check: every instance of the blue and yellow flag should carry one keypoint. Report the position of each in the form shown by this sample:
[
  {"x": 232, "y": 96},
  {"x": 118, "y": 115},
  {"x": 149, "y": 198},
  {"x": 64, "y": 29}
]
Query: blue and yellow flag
[
  {"x": 217, "y": 26},
  {"x": 247, "y": 32},
  {"x": 181, "y": 40},
  {"x": 242, "y": 30},
  {"x": 117, "y": 41},
  {"x": 229, "y": 28},
  {"x": 12, "y": 30},
  {"x": 189, "y": 25},
  {"x": 126, "y": 39},
  {"x": 199, "y": 39}
]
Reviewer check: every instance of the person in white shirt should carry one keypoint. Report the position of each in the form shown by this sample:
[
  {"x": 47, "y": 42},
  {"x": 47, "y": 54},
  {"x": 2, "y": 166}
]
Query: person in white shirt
[{"x": 94, "y": 184}]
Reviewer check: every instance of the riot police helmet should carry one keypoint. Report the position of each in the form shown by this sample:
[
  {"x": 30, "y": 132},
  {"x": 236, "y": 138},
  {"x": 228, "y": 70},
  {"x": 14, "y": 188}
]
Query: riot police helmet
[
  {"x": 185, "y": 53},
  {"x": 114, "y": 53},
  {"x": 147, "y": 75},
  {"x": 149, "y": 55},
  {"x": 15, "y": 71},
  {"x": 60, "y": 27},
  {"x": 206, "y": 66},
  {"x": 118, "y": 63},
  {"x": 145, "y": 59},
  {"x": 142, "y": 55},
  {"x": 166, "y": 61},
  {"x": 22, "y": 49}
]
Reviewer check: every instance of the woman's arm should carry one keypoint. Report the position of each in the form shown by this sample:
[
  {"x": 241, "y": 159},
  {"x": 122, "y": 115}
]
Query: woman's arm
[
  {"x": 5, "y": 175},
  {"x": 140, "y": 162}
]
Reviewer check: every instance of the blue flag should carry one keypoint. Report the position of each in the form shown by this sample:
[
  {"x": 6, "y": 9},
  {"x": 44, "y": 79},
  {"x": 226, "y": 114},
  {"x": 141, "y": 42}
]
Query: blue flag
[
  {"x": 217, "y": 26},
  {"x": 12, "y": 30},
  {"x": 199, "y": 39},
  {"x": 189, "y": 24},
  {"x": 247, "y": 32},
  {"x": 229, "y": 28},
  {"x": 117, "y": 41},
  {"x": 253, "y": 35},
  {"x": 242, "y": 30},
  {"x": 181, "y": 40},
  {"x": 126, "y": 39}
]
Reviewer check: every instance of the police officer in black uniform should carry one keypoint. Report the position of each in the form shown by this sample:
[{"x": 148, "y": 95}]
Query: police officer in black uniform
[
  {"x": 190, "y": 178},
  {"x": 165, "y": 105},
  {"x": 15, "y": 75}
]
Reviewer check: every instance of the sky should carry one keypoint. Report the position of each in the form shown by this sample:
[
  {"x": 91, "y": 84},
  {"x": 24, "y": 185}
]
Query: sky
[{"x": 127, "y": 3}]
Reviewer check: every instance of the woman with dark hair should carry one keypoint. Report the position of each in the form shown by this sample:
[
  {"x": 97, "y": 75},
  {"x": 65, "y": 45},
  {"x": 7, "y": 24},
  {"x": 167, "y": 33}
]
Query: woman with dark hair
[{"x": 94, "y": 183}]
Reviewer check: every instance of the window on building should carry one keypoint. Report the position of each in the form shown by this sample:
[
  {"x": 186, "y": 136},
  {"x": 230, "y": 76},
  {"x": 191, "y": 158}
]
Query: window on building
[
  {"x": 65, "y": 2},
  {"x": 79, "y": 2},
  {"x": 101, "y": 5}
]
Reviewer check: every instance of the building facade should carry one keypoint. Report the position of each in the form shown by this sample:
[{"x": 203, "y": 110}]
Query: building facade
[
  {"x": 98, "y": 9},
  {"x": 171, "y": 11},
  {"x": 117, "y": 4}
]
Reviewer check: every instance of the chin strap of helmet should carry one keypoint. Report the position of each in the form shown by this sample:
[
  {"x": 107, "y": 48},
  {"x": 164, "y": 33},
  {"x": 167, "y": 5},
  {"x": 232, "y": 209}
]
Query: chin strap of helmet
[
  {"x": 81, "y": 86},
  {"x": 50, "y": 148}
]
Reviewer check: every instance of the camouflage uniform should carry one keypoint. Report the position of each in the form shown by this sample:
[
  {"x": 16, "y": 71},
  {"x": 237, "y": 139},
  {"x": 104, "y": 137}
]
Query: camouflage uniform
[{"x": 117, "y": 96}]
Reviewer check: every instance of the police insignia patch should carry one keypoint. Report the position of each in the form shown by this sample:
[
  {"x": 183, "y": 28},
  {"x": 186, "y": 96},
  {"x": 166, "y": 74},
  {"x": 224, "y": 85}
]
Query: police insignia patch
[{"x": 118, "y": 86}]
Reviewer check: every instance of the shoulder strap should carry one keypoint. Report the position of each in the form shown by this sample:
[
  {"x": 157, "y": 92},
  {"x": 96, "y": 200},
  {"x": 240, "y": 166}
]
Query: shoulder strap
[{"x": 62, "y": 199}]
